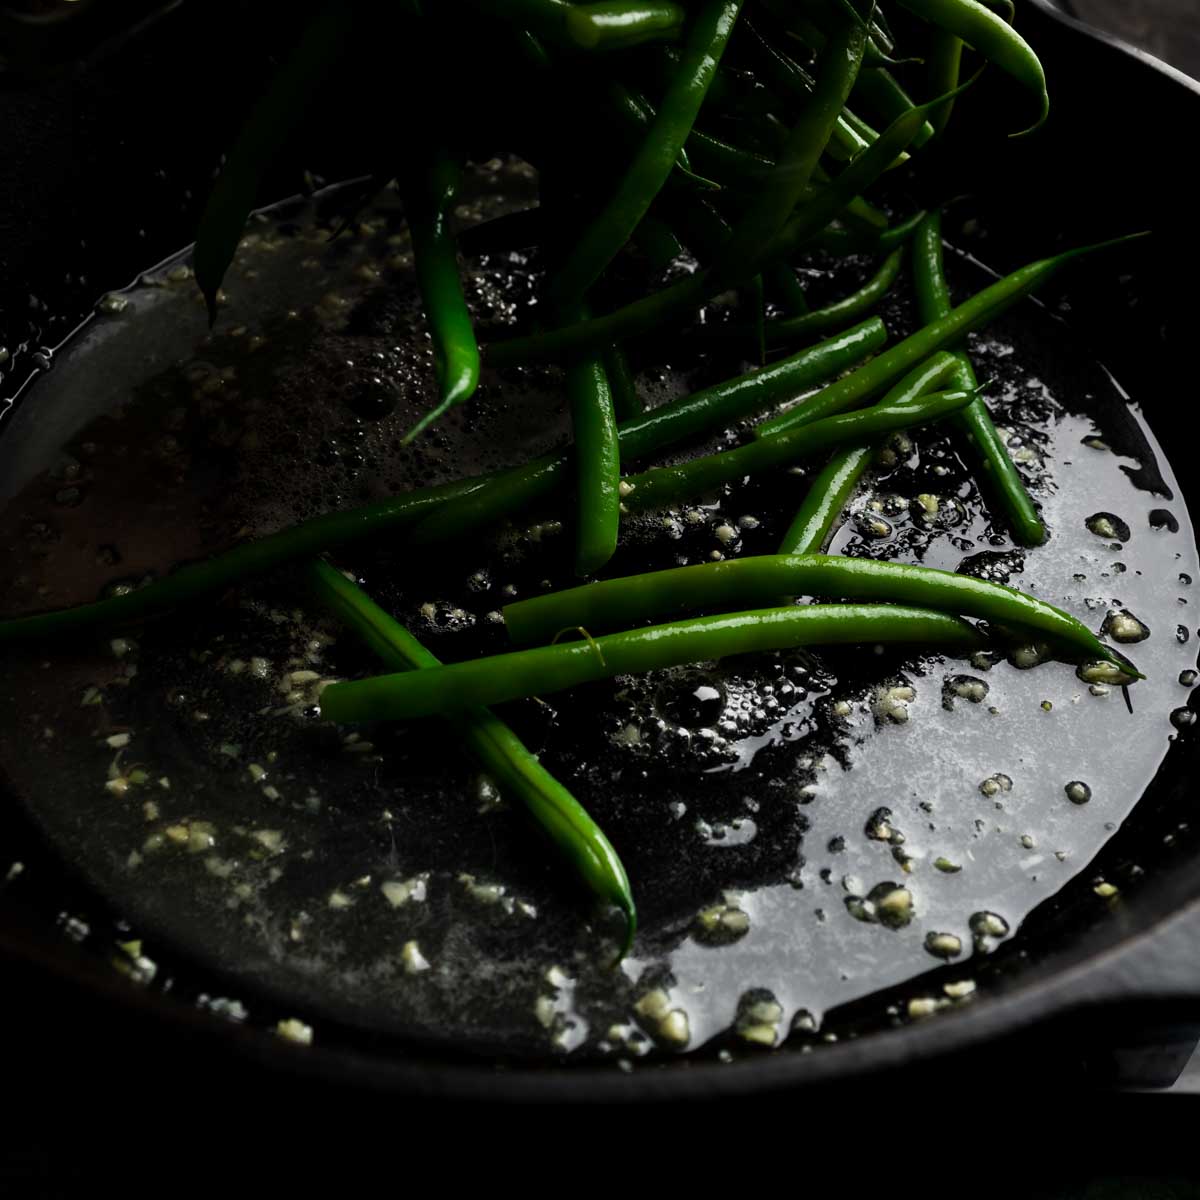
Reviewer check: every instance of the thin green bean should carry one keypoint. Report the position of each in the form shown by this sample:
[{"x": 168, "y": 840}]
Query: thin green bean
[
  {"x": 627, "y": 404},
  {"x": 827, "y": 496},
  {"x": 741, "y": 582},
  {"x": 597, "y": 459},
  {"x": 665, "y": 485},
  {"x": 933, "y": 302},
  {"x": 547, "y": 669},
  {"x": 981, "y": 308},
  {"x": 435, "y": 256},
  {"x": 496, "y": 747},
  {"x": 840, "y": 312},
  {"x": 280, "y": 111},
  {"x": 598, "y": 244}
]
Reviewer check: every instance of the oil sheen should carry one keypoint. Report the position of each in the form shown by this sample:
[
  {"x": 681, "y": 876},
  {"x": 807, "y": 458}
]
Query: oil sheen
[{"x": 802, "y": 830}]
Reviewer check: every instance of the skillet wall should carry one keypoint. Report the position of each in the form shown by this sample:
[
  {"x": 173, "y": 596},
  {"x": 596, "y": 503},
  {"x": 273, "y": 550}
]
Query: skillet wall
[{"x": 103, "y": 174}]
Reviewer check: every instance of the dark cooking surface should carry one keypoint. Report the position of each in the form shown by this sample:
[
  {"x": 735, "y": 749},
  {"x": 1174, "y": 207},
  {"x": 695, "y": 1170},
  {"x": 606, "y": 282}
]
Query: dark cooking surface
[{"x": 99, "y": 1038}]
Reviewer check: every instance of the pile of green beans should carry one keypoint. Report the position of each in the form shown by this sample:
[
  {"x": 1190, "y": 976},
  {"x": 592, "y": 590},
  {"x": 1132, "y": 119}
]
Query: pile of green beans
[{"x": 712, "y": 142}]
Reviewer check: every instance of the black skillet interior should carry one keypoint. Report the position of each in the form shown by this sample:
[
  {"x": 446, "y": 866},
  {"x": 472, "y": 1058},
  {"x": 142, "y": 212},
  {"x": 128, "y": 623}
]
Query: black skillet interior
[{"x": 68, "y": 234}]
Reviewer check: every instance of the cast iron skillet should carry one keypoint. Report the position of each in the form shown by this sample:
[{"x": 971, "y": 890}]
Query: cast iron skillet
[{"x": 1065, "y": 186}]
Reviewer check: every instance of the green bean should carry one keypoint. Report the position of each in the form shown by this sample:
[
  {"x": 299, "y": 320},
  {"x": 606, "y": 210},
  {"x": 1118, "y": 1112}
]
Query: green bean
[
  {"x": 274, "y": 118},
  {"x": 243, "y": 561},
  {"x": 672, "y": 303},
  {"x": 942, "y": 65},
  {"x": 846, "y": 241},
  {"x": 832, "y": 315},
  {"x": 495, "y": 746},
  {"x": 627, "y": 404},
  {"x": 741, "y": 582},
  {"x": 992, "y": 37},
  {"x": 611, "y": 229},
  {"x": 765, "y": 216},
  {"x": 690, "y": 416},
  {"x": 435, "y": 256},
  {"x": 618, "y": 24},
  {"x": 597, "y": 459},
  {"x": 826, "y": 498},
  {"x": 788, "y": 290},
  {"x": 981, "y": 308},
  {"x": 933, "y": 303},
  {"x": 666, "y": 485},
  {"x": 554, "y": 668},
  {"x": 828, "y": 493}
]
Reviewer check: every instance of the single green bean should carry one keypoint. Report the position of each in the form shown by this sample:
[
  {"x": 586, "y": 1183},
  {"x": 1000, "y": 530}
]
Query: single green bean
[
  {"x": 933, "y": 303},
  {"x": 273, "y": 120},
  {"x": 611, "y": 229},
  {"x": 497, "y": 749},
  {"x": 942, "y": 65},
  {"x": 597, "y": 459},
  {"x": 827, "y": 496},
  {"x": 840, "y": 312},
  {"x": 825, "y": 500},
  {"x": 848, "y": 241},
  {"x": 992, "y": 37},
  {"x": 627, "y": 404},
  {"x": 981, "y": 308},
  {"x": 435, "y": 256},
  {"x": 554, "y": 668},
  {"x": 690, "y": 416},
  {"x": 766, "y": 215},
  {"x": 742, "y": 582},
  {"x": 665, "y": 485},
  {"x": 618, "y": 24}
]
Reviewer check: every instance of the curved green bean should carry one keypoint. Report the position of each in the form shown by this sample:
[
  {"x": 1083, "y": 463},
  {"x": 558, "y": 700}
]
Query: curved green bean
[
  {"x": 665, "y": 485},
  {"x": 280, "y": 111},
  {"x": 627, "y": 404},
  {"x": 992, "y": 37},
  {"x": 828, "y": 493},
  {"x": 850, "y": 307},
  {"x": 498, "y": 750},
  {"x": 597, "y": 459},
  {"x": 611, "y": 229},
  {"x": 937, "y": 335},
  {"x": 933, "y": 302},
  {"x": 690, "y": 416},
  {"x": 435, "y": 256},
  {"x": 848, "y": 241},
  {"x": 739, "y": 582},
  {"x": 554, "y": 668},
  {"x": 618, "y": 24}
]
